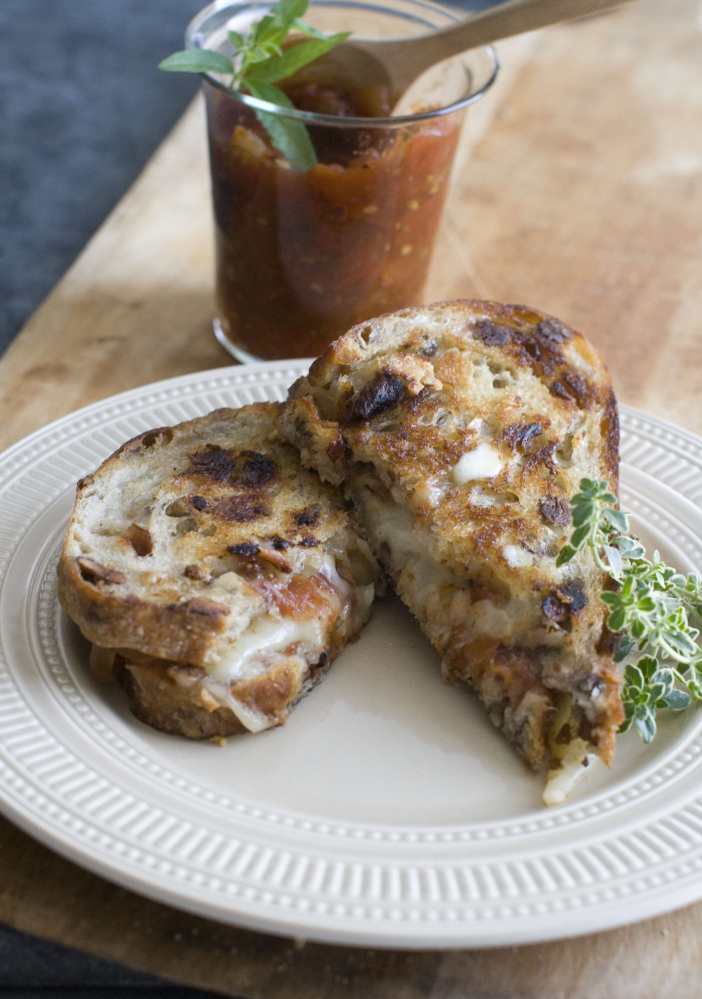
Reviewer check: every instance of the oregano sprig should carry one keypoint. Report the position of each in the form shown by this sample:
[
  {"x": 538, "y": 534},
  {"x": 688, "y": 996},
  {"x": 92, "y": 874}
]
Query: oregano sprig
[
  {"x": 259, "y": 61},
  {"x": 596, "y": 519},
  {"x": 654, "y": 610}
]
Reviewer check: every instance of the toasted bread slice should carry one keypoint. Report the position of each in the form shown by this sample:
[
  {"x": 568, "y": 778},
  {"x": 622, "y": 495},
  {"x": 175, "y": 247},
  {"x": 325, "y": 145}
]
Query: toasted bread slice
[
  {"x": 224, "y": 575},
  {"x": 461, "y": 431}
]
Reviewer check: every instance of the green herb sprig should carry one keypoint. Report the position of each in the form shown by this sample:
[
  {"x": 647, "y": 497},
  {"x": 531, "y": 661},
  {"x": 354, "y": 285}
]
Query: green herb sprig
[
  {"x": 654, "y": 610},
  {"x": 259, "y": 62}
]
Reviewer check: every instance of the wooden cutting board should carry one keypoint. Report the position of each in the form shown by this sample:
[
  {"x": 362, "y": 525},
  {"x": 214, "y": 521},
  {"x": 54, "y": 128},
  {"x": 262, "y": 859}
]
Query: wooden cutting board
[{"x": 578, "y": 190}]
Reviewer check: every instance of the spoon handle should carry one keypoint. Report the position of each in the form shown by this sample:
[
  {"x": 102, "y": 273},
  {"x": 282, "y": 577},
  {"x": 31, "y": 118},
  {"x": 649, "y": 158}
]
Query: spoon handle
[{"x": 501, "y": 21}]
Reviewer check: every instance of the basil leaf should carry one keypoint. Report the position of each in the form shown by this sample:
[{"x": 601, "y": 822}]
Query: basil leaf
[
  {"x": 307, "y": 29},
  {"x": 294, "y": 58},
  {"x": 288, "y": 10},
  {"x": 270, "y": 31},
  {"x": 197, "y": 61},
  {"x": 289, "y": 137}
]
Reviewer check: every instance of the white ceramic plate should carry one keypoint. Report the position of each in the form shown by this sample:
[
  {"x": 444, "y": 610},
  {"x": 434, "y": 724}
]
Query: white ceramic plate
[{"x": 388, "y": 811}]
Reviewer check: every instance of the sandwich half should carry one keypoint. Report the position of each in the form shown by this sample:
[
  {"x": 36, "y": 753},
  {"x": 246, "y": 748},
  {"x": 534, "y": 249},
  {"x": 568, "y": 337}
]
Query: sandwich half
[
  {"x": 460, "y": 431},
  {"x": 216, "y": 575}
]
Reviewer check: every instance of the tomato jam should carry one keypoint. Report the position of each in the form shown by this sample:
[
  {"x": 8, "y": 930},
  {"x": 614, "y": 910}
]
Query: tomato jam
[{"x": 302, "y": 256}]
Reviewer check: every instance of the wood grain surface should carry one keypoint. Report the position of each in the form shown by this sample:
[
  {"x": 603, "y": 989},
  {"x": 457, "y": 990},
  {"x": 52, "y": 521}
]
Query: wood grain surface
[{"x": 578, "y": 190}]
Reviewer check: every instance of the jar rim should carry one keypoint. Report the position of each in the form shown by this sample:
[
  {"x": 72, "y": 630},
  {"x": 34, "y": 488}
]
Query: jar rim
[{"x": 193, "y": 36}]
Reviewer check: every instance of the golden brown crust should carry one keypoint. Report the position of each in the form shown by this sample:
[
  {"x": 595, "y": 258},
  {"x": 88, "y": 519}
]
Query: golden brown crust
[
  {"x": 157, "y": 698},
  {"x": 181, "y": 700},
  {"x": 214, "y": 484},
  {"x": 207, "y": 553},
  {"x": 466, "y": 427},
  {"x": 112, "y": 620}
]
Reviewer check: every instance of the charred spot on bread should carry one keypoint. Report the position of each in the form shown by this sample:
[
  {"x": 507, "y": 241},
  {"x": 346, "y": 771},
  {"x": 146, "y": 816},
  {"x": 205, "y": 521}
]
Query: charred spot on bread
[
  {"x": 242, "y": 509},
  {"x": 574, "y": 595},
  {"x": 491, "y": 334},
  {"x": 258, "y": 470},
  {"x": 560, "y": 390},
  {"x": 521, "y": 435},
  {"x": 308, "y": 517},
  {"x": 246, "y": 469},
  {"x": 280, "y": 544},
  {"x": 200, "y": 503},
  {"x": 553, "y": 331},
  {"x": 572, "y": 387},
  {"x": 214, "y": 461},
  {"x": 245, "y": 548},
  {"x": 93, "y": 572}
]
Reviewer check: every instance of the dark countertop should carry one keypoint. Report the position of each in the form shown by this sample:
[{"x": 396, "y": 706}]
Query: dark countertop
[
  {"x": 82, "y": 108},
  {"x": 36, "y": 969}
]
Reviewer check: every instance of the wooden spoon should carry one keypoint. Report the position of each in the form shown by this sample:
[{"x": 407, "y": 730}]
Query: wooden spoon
[{"x": 398, "y": 62}]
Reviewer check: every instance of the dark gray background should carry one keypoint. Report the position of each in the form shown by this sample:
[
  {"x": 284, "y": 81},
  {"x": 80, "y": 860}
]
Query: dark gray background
[{"x": 82, "y": 107}]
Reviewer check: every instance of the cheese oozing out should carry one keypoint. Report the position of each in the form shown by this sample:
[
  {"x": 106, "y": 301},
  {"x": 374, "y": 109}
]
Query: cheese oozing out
[
  {"x": 268, "y": 636},
  {"x": 251, "y": 718},
  {"x": 572, "y": 757},
  {"x": 483, "y": 462},
  {"x": 246, "y": 657}
]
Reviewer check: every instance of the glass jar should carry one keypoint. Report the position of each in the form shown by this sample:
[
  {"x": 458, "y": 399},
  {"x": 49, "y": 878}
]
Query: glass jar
[{"x": 302, "y": 256}]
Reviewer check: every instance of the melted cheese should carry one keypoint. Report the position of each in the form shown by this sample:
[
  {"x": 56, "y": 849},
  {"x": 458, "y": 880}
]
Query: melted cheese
[
  {"x": 560, "y": 782},
  {"x": 269, "y": 634},
  {"x": 574, "y": 756},
  {"x": 429, "y": 493},
  {"x": 517, "y": 557},
  {"x": 329, "y": 571},
  {"x": 242, "y": 659},
  {"x": 483, "y": 462},
  {"x": 250, "y": 718}
]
